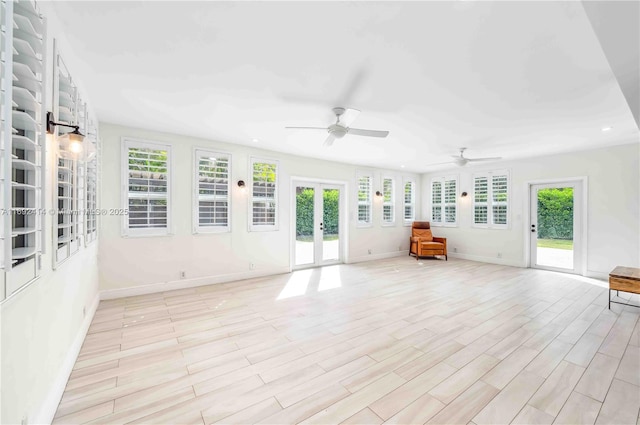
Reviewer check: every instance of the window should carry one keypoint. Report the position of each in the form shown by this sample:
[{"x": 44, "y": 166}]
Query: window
[
  {"x": 388, "y": 204},
  {"x": 444, "y": 200},
  {"x": 364, "y": 200},
  {"x": 212, "y": 185},
  {"x": 409, "y": 202},
  {"x": 264, "y": 201},
  {"x": 91, "y": 155},
  {"x": 148, "y": 192},
  {"x": 490, "y": 199},
  {"x": 69, "y": 167}
]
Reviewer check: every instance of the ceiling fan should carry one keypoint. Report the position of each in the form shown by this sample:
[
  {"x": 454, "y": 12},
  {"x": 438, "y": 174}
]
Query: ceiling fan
[
  {"x": 461, "y": 160},
  {"x": 342, "y": 127}
]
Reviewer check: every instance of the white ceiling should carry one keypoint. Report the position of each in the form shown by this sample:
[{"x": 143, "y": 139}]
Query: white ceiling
[{"x": 510, "y": 79}]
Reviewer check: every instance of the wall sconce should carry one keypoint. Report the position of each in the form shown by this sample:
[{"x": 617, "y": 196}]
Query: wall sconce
[
  {"x": 241, "y": 184},
  {"x": 378, "y": 193},
  {"x": 463, "y": 194},
  {"x": 72, "y": 141}
]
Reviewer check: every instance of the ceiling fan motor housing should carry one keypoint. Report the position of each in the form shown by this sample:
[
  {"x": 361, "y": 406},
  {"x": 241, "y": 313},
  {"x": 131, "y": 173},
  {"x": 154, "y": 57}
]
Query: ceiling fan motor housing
[{"x": 338, "y": 131}]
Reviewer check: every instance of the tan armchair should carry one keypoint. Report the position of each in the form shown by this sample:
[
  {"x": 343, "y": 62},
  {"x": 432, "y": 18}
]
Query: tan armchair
[{"x": 423, "y": 243}]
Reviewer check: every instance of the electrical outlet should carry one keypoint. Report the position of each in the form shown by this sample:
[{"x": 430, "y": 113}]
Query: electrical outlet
[
  {"x": 84, "y": 311},
  {"x": 455, "y": 249},
  {"x": 25, "y": 420},
  {"x": 183, "y": 274},
  {"x": 499, "y": 255},
  {"x": 370, "y": 251},
  {"x": 399, "y": 247},
  {"x": 252, "y": 266}
]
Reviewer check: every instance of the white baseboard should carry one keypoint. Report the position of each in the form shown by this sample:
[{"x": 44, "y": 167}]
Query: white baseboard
[
  {"x": 483, "y": 259},
  {"x": 50, "y": 405},
  {"x": 597, "y": 275},
  {"x": 373, "y": 257},
  {"x": 110, "y": 294}
]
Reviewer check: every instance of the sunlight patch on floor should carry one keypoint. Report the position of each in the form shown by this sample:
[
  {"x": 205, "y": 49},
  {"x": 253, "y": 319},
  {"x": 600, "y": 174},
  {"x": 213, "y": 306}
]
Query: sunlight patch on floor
[
  {"x": 330, "y": 278},
  {"x": 297, "y": 284}
]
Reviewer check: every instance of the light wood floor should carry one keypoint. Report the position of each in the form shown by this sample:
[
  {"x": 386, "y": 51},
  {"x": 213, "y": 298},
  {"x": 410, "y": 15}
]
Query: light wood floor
[{"x": 394, "y": 341}]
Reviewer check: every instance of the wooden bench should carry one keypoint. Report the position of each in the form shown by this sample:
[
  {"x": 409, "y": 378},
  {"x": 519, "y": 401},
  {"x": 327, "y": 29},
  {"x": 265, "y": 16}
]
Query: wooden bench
[{"x": 625, "y": 279}]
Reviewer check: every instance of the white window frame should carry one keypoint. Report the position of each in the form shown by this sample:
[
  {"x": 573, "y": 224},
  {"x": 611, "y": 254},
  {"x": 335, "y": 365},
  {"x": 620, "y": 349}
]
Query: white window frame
[
  {"x": 128, "y": 143},
  {"x": 264, "y": 227},
  {"x": 197, "y": 154},
  {"x": 392, "y": 203},
  {"x": 412, "y": 203},
  {"x": 369, "y": 202},
  {"x": 490, "y": 203},
  {"x": 443, "y": 204}
]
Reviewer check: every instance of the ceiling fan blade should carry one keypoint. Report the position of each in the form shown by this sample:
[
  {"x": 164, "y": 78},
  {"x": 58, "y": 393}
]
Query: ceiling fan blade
[
  {"x": 348, "y": 117},
  {"x": 368, "y": 133},
  {"x": 329, "y": 141},
  {"x": 441, "y": 163},
  {"x": 484, "y": 159},
  {"x": 308, "y": 128}
]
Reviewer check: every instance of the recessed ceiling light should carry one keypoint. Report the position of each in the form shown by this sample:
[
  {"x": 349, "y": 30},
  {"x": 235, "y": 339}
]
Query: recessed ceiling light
[
  {"x": 255, "y": 140},
  {"x": 608, "y": 128},
  {"x": 402, "y": 166}
]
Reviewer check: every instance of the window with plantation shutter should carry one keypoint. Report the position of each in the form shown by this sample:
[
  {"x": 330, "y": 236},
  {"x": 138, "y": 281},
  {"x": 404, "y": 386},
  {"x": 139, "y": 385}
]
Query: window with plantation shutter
[
  {"x": 364, "y": 200},
  {"x": 23, "y": 88},
  {"x": 490, "y": 199},
  {"x": 409, "y": 202},
  {"x": 264, "y": 191},
  {"x": 212, "y": 198},
  {"x": 444, "y": 201},
  {"x": 388, "y": 202},
  {"x": 148, "y": 191}
]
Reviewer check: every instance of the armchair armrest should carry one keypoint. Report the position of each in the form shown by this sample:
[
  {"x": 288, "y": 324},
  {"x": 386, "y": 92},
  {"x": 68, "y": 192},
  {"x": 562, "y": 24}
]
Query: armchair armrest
[
  {"x": 442, "y": 241},
  {"x": 415, "y": 239}
]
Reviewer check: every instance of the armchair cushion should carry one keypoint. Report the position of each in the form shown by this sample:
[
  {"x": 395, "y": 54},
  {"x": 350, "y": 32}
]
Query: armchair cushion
[{"x": 425, "y": 235}]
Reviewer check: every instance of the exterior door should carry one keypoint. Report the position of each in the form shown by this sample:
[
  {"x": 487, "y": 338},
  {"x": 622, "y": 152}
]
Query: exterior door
[
  {"x": 555, "y": 226},
  {"x": 318, "y": 227}
]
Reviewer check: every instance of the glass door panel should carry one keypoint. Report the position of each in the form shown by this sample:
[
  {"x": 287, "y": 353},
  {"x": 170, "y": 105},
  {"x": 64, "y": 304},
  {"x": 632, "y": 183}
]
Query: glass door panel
[
  {"x": 554, "y": 226},
  {"x": 305, "y": 225},
  {"x": 330, "y": 224}
]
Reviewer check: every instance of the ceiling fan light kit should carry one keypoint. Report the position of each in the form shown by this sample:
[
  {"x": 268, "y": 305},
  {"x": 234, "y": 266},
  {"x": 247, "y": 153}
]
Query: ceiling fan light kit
[{"x": 342, "y": 126}]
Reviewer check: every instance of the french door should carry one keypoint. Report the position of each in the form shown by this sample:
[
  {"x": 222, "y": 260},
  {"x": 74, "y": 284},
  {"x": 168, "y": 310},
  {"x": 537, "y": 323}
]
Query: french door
[
  {"x": 317, "y": 224},
  {"x": 556, "y": 226}
]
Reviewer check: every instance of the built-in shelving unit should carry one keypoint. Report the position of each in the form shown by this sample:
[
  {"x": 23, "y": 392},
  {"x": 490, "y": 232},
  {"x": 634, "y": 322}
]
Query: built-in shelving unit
[{"x": 23, "y": 142}]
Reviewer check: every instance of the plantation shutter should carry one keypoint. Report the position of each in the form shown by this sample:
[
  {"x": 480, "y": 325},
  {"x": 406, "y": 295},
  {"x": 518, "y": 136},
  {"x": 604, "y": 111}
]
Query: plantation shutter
[
  {"x": 491, "y": 199},
  {"x": 147, "y": 188},
  {"x": 450, "y": 201},
  {"x": 499, "y": 199},
  {"x": 409, "y": 202},
  {"x": 436, "y": 201},
  {"x": 388, "y": 204},
  {"x": 364, "y": 200},
  {"x": 263, "y": 191},
  {"x": 213, "y": 188},
  {"x": 480, "y": 200}
]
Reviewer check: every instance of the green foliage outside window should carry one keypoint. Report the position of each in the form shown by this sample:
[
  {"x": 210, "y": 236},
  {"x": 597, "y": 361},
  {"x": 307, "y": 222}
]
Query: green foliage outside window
[{"x": 555, "y": 213}]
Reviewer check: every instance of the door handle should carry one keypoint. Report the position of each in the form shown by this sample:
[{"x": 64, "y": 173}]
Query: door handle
[
  {"x": 321, "y": 226},
  {"x": 533, "y": 228}
]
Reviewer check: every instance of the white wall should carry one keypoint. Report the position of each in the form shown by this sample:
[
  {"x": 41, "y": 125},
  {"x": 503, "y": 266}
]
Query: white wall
[
  {"x": 43, "y": 325},
  {"x": 145, "y": 262},
  {"x": 613, "y": 212}
]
